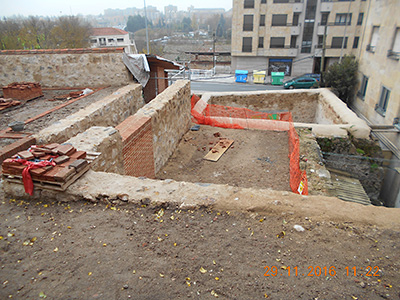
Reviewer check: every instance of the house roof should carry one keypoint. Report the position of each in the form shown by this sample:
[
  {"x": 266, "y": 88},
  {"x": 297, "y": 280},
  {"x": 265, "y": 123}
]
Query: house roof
[{"x": 107, "y": 31}]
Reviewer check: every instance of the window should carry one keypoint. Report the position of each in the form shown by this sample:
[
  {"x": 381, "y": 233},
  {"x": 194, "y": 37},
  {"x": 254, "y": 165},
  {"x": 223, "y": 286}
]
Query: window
[
  {"x": 248, "y": 3},
  {"x": 355, "y": 42},
  {"x": 360, "y": 18},
  {"x": 281, "y": 1},
  {"x": 295, "y": 19},
  {"x": 279, "y": 20},
  {"x": 395, "y": 51},
  {"x": 263, "y": 1},
  {"x": 341, "y": 19},
  {"x": 383, "y": 101},
  {"x": 277, "y": 42},
  {"x": 120, "y": 40},
  {"x": 293, "y": 41},
  {"x": 93, "y": 41},
  {"x": 338, "y": 41},
  {"x": 320, "y": 41},
  {"x": 111, "y": 40},
  {"x": 374, "y": 39},
  {"x": 247, "y": 47},
  {"x": 102, "y": 41},
  {"x": 248, "y": 23},
  {"x": 261, "y": 42},
  {"x": 262, "y": 20},
  {"x": 324, "y": 18},
  {"x": 363, "y": 88}
]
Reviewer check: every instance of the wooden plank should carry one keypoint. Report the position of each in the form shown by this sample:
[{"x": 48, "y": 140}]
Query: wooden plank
[{"x": 219, "y": 149}]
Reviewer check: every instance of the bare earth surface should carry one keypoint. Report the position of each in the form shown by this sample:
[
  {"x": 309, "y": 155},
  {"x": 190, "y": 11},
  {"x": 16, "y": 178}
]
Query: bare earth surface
[
  {"x": 256, "y": 159},
  {"x": 86, "y": 251},
  {"x": 37, "y": 106}
]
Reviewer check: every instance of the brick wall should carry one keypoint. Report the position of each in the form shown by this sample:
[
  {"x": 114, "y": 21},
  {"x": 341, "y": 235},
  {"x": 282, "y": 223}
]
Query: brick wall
[
  {"x": 137, "y": 139},
  {"x": 65, "y": 67}
]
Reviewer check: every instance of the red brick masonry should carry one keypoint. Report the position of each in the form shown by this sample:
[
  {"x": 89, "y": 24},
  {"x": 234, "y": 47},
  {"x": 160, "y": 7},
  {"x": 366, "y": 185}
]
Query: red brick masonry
[
  {"x": 61, "y": 51},
  {"x": 23, "y": 90},
  {"x": 137, "y": 138}
]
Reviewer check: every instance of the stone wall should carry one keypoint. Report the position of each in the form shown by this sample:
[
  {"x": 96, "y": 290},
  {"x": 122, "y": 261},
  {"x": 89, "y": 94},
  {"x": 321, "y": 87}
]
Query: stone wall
[
  {"x": 104, "y": 140},
  {"x": 170, "y": 120},
  {"x": 301, "y": 104},
  {"x": 65, "y": 67},
  {"x": 109, "y": 111}
]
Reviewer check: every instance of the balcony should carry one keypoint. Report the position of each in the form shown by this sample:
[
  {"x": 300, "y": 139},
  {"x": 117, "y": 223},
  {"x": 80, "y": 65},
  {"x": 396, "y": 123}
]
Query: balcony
[
  {"x": 371, "y": 48},
  {"x": 393, "y": 55},
  {"x": 295, "y": 29}
]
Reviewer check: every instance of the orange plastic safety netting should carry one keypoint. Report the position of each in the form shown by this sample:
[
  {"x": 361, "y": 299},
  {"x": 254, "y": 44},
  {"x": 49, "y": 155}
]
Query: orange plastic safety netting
[{"x": 243, "y": 118}]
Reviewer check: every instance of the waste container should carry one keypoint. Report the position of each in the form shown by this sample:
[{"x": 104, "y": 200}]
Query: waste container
[
  {"x": 277, "y": 78},
  {"x": 241, "y": 75},
  {"x": 259, "y": 76}
]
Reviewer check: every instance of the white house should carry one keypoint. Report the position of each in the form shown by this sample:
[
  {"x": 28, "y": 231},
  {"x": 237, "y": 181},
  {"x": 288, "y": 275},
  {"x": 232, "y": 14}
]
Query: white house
[{"x": 112, "y": 37}]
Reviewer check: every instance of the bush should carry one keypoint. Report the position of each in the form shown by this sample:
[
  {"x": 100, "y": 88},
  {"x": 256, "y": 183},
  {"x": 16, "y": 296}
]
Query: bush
[{"x": 342, "y": 77}]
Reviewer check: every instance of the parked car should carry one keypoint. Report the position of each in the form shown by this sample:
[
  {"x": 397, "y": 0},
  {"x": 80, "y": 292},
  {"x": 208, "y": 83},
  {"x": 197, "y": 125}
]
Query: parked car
[
  {"x": 301, "y": 83},
  {"x": 315, "y": 76}
]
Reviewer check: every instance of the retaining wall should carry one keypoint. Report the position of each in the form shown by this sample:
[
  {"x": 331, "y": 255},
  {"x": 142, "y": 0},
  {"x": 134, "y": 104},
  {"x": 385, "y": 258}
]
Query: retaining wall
[
  {"x": 110, "y": 111},
  {"x": 170, "y": 120},
  {"x": 65, "y": 67},
  {"x": 104, "y": 140}
]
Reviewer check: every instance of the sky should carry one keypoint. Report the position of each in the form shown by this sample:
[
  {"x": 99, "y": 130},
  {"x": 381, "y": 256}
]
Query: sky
[{"x": 9, "y": 8}]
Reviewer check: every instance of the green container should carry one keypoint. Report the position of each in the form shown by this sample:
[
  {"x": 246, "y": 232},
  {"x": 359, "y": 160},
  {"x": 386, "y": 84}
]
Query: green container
[{"x": 277, "y": 78}]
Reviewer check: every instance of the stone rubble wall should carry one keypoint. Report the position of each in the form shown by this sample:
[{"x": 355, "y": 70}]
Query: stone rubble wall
[
  {"x": 65, "y": 67},
  {"x": 104, "y": 140},
  {"x": 170, "y": 120},
  {"x": 109, "y": 111},
  {"x": 117, "y": 189}
]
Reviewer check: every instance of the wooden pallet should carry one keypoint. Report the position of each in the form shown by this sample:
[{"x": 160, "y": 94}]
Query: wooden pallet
[
  {"x": 218, "y": 150},
  {"x": 49, "y": 185}
]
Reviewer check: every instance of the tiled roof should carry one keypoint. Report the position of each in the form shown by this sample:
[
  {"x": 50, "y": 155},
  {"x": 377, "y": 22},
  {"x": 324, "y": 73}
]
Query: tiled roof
[{"x": 107, "y": 31}]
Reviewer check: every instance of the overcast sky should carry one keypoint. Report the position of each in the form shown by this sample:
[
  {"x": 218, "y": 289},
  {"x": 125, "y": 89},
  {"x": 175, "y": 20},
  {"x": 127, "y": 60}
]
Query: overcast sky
[{"x": 67, "y": 7}]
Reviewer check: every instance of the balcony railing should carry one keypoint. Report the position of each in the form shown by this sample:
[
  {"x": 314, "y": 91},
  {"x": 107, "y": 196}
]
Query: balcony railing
[
  {"x": 393, "y": 55},
  {"x": 371, "y": 48}
]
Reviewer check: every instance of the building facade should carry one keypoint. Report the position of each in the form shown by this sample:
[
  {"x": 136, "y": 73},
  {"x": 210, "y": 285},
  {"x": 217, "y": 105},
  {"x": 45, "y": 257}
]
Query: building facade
[
  {"x": 112, "y": 37},
  {"x": 378, "y": 96},
  {"x": 288, "y": 35}
]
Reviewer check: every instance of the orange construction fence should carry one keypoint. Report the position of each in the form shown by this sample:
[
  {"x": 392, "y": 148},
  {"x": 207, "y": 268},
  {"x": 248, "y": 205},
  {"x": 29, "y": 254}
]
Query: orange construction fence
[{"x": 243, "y": 118}]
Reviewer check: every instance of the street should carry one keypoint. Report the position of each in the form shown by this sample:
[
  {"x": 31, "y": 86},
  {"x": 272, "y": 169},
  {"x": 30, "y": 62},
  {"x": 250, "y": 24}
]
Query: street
[{"x": 202, "y": 86}]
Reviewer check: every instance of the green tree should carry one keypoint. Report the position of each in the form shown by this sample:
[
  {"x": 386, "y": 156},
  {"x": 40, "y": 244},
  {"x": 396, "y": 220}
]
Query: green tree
[
  {"x": 186, "y": 24},
  {"x": 220, "y": 32},
  {"x": 136, "y": 23},
  {"x": 342, "y": 77}
]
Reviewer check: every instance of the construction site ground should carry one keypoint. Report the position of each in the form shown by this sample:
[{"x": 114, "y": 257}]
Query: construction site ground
[
  {"x": 40, "y": 105},
  {"x": 257, "y": 159},
  {"x": 82, "y": 250}
]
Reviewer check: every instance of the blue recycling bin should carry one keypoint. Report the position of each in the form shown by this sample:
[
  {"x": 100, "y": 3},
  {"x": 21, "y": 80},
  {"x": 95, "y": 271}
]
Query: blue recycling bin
[{"x": 241, "y": 75}]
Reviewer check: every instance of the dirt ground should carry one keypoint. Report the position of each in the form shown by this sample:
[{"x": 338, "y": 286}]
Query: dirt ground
[
  {"x": 95, "y": 251},
  {"x": 37, "y": 106},
  {"x": 255, "y": 159}
]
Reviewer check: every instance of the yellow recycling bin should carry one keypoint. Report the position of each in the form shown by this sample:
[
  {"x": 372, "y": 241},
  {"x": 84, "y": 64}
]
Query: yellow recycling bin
[{"x": 259, "y": 76}]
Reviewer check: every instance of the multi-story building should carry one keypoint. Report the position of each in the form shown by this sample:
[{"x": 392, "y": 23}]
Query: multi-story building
[
  {"x": 112, "y": 37},
  {"x": 378, "y": 97},
  {"x": 288, "y": 35}
]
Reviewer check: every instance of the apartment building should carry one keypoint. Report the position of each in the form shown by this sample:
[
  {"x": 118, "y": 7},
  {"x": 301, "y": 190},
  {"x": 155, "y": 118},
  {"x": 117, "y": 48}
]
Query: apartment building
[
  {"x": 288, "y": 35},
  {"x": 112, "y": 37},
  {"x": 378, "y": 97}
]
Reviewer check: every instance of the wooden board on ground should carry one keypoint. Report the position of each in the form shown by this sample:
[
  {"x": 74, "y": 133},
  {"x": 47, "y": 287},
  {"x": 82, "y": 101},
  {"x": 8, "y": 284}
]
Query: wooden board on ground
[{"x": 219, "y": 149}]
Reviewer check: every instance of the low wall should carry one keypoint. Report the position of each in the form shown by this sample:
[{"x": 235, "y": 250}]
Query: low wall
[
  {"x": 109, "y": 111},
  {"x": 104, "y": 140},
  {"x": 170, "y": 120},
  {"x": 65, "y": 67},
  {"x": 301, "y": 104},
  {"x": 318, "y": 109}
]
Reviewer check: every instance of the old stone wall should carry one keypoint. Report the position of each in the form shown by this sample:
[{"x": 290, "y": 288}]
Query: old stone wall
[
  {"x": 302, "y": 105},
  {"x": 170, "y": 120},
  {"x": 104, "y": 140},
  {"x": 65, "y": 67},
  {"x": 109, "y": 111}
]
